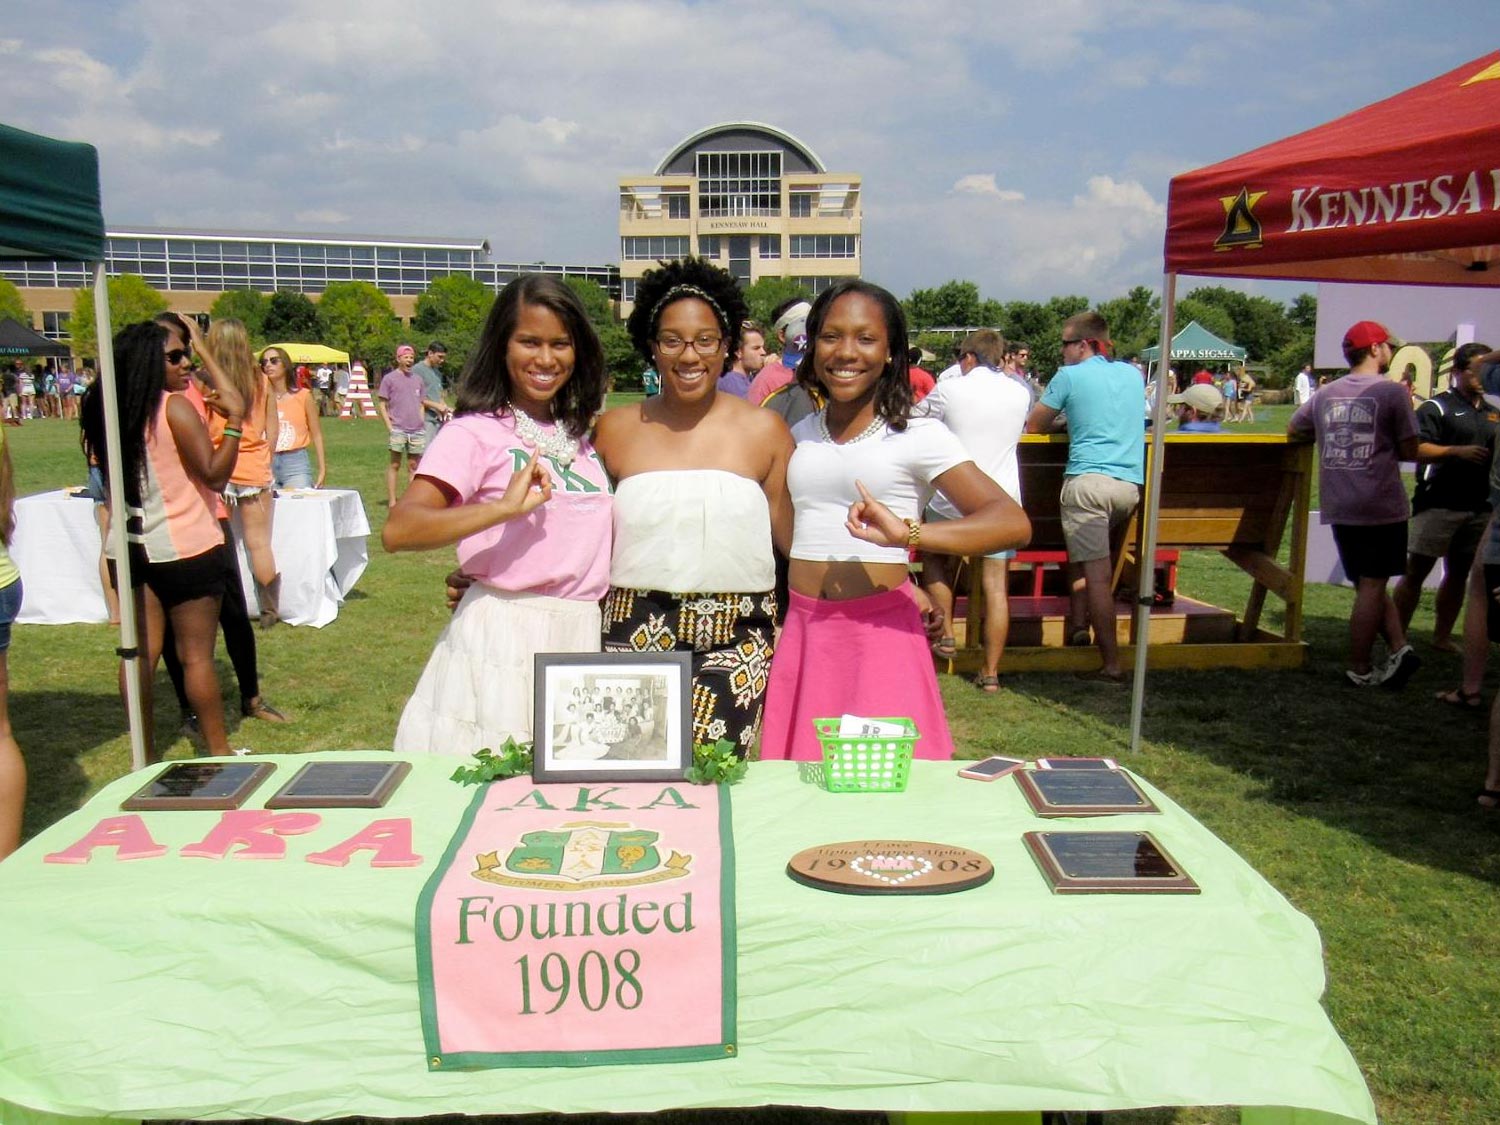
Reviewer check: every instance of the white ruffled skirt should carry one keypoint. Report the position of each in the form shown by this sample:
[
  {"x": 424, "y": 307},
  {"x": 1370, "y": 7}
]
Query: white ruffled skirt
[{"x": 477, "y": 687}]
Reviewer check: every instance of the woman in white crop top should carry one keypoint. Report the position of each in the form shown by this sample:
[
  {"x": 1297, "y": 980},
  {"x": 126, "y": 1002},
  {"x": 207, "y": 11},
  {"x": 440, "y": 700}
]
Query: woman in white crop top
[
  {"x": 700, "y": 483},
  {"x": 860, "y": 477}
]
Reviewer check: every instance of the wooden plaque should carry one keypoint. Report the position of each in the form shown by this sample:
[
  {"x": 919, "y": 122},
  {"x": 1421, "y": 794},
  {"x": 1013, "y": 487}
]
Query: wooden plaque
[
  {"x": 199, "y": 785},
  {"x": 340, "y": 785},
  {"x": 1085, "y": 792},
  {"x": 890, "y": 867},
  {"x": 1107, "y": 863}
]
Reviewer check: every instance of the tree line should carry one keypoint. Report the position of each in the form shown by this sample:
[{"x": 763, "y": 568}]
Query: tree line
[{"x": 356, "y": 317}]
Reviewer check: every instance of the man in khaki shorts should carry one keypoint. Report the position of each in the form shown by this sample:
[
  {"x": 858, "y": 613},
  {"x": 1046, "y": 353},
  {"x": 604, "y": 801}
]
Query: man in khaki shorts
[{"x": 1105, "y": 402}]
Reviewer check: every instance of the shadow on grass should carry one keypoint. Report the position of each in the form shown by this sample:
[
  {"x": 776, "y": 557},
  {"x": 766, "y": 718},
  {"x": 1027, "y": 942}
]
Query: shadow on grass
[
  {"x": 1396, "y": 768},
  {"x": 56, "y": 730}
]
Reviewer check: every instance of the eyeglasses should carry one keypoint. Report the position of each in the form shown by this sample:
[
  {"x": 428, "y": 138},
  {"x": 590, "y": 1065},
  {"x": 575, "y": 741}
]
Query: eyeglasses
[
  {"x": 1069, "y": 343},
  {"x": 267, "y": 360},
  {"x": 704, "y": 345},
  {"x": 177, "y": 355}
]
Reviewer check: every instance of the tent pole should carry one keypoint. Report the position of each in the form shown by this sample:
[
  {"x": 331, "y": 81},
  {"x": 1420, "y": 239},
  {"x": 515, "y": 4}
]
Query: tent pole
[
  {"x": 129, "y": 627},
  {"x": 1146, "y": 564}
]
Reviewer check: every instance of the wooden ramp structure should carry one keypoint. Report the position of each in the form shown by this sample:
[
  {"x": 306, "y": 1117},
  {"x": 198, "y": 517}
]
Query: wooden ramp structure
[{"x": 1238, "y": 494}]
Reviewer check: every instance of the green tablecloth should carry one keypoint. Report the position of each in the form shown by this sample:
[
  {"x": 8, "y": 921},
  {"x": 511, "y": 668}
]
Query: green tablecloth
[{"x": 180, "y": 988}]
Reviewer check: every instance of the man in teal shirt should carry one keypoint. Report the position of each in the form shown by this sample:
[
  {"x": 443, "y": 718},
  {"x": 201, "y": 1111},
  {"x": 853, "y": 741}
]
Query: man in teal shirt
[{"x": 1104, "y": 401}]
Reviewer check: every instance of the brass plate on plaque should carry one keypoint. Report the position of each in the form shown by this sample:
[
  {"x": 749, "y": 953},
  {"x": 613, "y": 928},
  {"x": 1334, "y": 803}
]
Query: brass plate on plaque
[
  {"x": 890, "y": 867},
  {"x": 340, "y": 785},
  {"x": 1107, "y": 863},
  {"x": 199, "y": 785},
  {"x": 1086, "y": 792}
]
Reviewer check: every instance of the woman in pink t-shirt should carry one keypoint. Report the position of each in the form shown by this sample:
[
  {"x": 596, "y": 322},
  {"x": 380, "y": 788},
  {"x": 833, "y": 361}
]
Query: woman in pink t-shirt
[{"x": 515, "y": 482}]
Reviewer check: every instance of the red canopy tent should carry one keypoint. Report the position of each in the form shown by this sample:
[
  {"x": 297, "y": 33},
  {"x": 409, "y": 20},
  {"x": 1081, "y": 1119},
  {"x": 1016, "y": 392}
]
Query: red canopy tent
[{"x": 1405, "y": 191}]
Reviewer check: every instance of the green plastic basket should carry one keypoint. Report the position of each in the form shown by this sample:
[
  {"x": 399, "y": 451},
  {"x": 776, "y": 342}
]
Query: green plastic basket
[{"x": 866, "y": 765}]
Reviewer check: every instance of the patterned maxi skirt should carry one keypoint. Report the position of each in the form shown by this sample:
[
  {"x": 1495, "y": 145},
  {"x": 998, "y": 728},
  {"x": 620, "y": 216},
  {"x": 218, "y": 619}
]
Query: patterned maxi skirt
[{"x": 730, "y": 637}]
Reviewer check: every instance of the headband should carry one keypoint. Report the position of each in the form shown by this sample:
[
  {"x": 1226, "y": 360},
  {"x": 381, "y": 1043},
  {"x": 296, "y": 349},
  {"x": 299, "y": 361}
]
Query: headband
[{"x": 678, "y": 291}]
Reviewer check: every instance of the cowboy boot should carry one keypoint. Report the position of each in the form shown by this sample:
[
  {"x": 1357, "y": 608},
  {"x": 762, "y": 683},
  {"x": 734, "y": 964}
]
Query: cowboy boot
[{"x": 269, "y": 596}]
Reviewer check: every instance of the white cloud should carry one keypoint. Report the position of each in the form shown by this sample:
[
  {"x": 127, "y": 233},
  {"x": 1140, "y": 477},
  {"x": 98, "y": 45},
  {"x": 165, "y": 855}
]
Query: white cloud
[
  {"x": 984, "y": 184},
  {"x": 513, "y": 121}
]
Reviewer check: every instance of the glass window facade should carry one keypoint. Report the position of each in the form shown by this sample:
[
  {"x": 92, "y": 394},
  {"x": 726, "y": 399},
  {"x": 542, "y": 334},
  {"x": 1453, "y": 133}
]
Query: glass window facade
[
  {"x": 824, "y": 246},
  {"x": 770, "y": 246},
  {"x": 655, "y": 247},
  {"x": 739, "y": 183},
  {"x": 200, "y": 262}
]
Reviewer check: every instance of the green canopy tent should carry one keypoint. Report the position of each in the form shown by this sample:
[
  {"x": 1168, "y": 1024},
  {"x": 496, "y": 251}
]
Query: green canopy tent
[
  {"x": 16, "y": 339},
  {"x": 1196, "y": 344},
  {"x": 50, "y": 208}
]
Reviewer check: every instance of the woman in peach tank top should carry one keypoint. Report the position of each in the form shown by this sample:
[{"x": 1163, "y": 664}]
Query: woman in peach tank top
[
  {"x": 249, "y": 486},
  {"x": 171, "y": 471}
]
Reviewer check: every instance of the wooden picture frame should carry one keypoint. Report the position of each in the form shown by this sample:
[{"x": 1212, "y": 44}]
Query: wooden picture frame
[{"x": 612, "y": 716}]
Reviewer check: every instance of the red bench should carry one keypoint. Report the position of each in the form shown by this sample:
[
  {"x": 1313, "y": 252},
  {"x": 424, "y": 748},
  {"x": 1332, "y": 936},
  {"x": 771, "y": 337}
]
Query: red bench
[{"x": 1038, "y": 561}]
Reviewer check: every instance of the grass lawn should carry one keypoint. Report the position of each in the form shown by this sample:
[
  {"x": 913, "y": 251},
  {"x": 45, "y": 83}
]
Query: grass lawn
[{"x": 1358, "y": 806}]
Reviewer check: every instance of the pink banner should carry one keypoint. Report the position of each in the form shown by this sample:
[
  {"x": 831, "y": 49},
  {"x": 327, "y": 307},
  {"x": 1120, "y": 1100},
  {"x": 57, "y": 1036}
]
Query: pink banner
[{"x": 579, "y": 925}]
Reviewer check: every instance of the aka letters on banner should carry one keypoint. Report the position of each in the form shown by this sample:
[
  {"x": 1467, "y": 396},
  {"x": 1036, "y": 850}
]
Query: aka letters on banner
[{"x": 581, "y": 925}]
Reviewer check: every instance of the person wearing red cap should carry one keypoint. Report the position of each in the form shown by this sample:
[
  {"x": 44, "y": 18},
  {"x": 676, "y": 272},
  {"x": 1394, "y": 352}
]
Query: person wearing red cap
[{"x": 1365, "y": 428}]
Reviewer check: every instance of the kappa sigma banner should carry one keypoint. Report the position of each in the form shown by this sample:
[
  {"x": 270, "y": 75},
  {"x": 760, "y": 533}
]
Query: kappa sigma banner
[{"x": 581, "y": 925}]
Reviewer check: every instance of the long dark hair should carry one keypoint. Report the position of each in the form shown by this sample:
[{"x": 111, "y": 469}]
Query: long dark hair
[
  {"x": 893, "y": 395},
  {"x": 140, "y": 379},
  {"x": 484, "y": 387}
]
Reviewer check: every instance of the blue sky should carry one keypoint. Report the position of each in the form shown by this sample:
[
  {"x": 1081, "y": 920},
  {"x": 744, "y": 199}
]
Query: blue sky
[{"x": 1026, "y": 147}]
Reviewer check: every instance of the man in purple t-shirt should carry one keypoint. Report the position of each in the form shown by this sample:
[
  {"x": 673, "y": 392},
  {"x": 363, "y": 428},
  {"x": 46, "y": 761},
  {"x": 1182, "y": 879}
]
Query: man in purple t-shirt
[
  {"x": 401, "y": 400},
  {"x": 1365, "y": 428}
]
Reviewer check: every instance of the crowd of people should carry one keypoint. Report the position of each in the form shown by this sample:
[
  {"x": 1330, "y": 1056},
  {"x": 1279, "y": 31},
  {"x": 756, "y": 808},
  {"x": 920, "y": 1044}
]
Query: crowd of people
[{"x": 760, "y": 511}]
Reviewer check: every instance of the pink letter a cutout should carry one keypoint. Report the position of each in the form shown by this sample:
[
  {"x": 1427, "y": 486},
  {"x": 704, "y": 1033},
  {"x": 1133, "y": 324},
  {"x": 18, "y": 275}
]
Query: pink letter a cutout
[
  {"x": 128, "y": 835},
  {"x": 390, "y": 840}
]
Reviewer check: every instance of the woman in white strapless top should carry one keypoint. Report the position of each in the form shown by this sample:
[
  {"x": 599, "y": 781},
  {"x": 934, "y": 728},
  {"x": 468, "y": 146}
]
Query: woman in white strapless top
[{"x": 700, "y": 497}]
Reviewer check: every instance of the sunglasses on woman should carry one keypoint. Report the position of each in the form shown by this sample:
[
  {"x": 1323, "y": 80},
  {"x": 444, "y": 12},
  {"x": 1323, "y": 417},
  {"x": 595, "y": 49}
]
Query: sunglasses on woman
[{"x": 177, "y": 355}]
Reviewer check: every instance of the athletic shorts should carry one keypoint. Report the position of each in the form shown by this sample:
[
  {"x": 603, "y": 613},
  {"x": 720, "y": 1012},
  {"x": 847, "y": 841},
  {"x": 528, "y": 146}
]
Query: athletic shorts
[{"x": 1371, "y": 550}]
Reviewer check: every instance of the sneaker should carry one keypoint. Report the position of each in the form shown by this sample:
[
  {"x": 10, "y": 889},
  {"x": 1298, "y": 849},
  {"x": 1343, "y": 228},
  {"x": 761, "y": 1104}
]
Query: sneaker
[
  {"x": 1399, "y": 667},
  {"x": 1373, "y": 678},
  {"x": 243, "y": 752}
]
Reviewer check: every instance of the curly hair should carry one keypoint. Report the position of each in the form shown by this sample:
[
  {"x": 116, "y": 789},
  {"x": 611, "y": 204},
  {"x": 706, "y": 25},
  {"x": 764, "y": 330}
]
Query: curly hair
[
  {"x": 140, "y": 380},
  {"x": 484, "y": 386},
  {"x": 893, "y": 394},
  {"x": 654, "y": 292}
]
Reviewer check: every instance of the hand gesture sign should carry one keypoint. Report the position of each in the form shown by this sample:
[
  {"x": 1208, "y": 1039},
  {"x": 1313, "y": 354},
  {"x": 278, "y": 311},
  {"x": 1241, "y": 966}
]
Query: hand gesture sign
[
  {"x": 873, "y": 522},
  {"x": 529, "y": 488}
]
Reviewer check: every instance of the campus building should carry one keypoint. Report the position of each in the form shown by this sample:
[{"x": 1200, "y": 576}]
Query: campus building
[
  {"x": 192, "y": 268},
  {"x": 749, "y": 196}
]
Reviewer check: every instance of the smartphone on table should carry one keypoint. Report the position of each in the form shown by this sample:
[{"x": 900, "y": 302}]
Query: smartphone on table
[{"x": 991, "y": 768}]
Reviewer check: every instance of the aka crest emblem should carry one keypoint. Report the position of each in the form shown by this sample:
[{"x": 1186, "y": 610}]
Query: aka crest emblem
[
  {"x": 583, "y": 855},
  {"x": 1242, "y": 230}
]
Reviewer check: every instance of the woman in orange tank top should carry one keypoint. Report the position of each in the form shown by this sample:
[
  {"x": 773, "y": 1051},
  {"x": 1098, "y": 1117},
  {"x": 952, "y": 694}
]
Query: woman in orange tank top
[
  {"x": 249, "y": 485},
  {"x": 170, "y": 471}
]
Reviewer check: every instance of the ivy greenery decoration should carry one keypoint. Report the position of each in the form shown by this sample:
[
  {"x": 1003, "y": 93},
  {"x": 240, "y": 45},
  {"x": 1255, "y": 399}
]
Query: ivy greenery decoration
[{"x": 513, "y": 760}]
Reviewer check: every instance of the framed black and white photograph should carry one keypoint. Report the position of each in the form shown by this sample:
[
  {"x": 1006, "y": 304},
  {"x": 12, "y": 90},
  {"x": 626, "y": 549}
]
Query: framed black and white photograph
[{"x": 612, "y": 716}]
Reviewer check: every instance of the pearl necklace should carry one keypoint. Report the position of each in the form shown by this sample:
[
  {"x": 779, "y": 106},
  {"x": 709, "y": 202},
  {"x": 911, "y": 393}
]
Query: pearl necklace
[
  {"x": 869, "y": 431},
  {"x": 555, "y": 443}
]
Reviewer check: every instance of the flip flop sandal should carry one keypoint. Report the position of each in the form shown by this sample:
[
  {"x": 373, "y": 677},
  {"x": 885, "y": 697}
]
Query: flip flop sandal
[
  {"x": 988, "y": 684},
  {"x": 1457, "y": 697},
  {"x": 1489, "y": 795},
  {"x": 947, "y": 647},
  {"x": 1079, "y": 636}
]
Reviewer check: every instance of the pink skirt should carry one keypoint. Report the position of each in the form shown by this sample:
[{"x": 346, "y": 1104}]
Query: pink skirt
[{"x": 866, "y": 656}]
